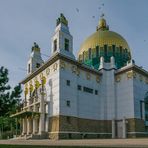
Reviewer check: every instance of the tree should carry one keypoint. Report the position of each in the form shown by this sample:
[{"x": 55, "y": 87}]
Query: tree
[{"x": 9, "y": 100}]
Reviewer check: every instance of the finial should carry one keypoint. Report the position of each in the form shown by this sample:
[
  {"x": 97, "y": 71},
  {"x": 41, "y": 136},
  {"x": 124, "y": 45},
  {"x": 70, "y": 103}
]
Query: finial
[{"x": 102, "y": 23}]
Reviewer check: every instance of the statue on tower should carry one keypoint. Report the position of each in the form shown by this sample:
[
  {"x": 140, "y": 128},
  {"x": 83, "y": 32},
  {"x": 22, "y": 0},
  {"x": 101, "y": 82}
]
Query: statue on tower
[
  {"x": 35, "y": 47},
  {"x": 62, "y": 19}
]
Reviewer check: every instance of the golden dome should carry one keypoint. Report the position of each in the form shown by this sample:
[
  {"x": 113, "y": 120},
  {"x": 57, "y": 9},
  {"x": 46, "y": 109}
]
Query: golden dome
[{"x": 103, "y": 37}]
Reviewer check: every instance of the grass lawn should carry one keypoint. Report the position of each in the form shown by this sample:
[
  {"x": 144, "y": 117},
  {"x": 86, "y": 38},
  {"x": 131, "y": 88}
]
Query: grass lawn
[
  {"x": 36, "y": 146},
  {"x": 31, "y": 146}
]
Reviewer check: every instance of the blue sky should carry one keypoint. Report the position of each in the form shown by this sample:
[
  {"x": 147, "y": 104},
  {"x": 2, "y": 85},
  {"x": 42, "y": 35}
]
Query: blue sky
[{"x": 24, "y": 21}]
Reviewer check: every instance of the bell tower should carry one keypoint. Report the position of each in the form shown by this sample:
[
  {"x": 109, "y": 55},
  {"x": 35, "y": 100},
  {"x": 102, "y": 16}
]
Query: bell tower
[
  {"x": 35, "y": 60},
  {"x": 62, "y": 40}
]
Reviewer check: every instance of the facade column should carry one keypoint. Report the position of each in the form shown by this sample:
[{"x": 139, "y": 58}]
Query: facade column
[
  {"x": 42, "y": 124},
  {"x": 29, "y": 127},
  {"x": 113, "y": 129},
  {"x": 42, "y": 112},
  {"x": 124, "y": 127},
  {"x": 24, "y": 126},
  {"x": 143, "y": 110},
  {"x": 47, "y": 123},
  {"x": 35, "y": 128}
]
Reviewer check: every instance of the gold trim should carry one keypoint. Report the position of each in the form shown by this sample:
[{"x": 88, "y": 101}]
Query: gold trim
[
  {"x": 31, "y": 87},
  {"x": 129, "y": 74},
  {"x": 55, "y": 66},
  {"x": 88, "y": 76},
  {"x": 97, "y": 79},
  {"x": 118, "y": 78},
  {"x": 47, "y": 71},
  {"x": 26, "y": 90},
  {"x": 74, "y": 69},
  {"x": 62, "y": 64}
]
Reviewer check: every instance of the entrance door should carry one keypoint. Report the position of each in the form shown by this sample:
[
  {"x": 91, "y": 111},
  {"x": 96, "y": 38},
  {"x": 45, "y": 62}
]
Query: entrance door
[{"x": 119, "y": 129}]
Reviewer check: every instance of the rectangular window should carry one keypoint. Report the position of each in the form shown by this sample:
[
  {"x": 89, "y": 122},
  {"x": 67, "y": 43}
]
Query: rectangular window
[
  {"x": 105, "y": 50},
  {"x": 66, "y": 44},
  {"x": 113, "y": 50},
  {"x": 79, "y": 87},
  {"x": 96, "y": 92},
  {"x": 55, "y": 45},
  {"x": 120, "y": 51},
  {"x": 89, "y": 53},
  {"x": 88, "y": 90},
  {"x": 68, "y": 103},
  {"x": 97, "y": 51},
  {"x": 68, "y": 82},
  {"x": 28, "y": 68},
  {"x": 37, "y": 65}
]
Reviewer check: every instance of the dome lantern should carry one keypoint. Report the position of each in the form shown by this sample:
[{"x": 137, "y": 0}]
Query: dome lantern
[{"x": 102, "y": 25}]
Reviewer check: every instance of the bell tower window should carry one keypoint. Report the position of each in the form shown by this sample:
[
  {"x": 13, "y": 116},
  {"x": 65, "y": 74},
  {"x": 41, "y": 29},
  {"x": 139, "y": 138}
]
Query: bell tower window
[
  {"x": 37, "y": 65},
  {"x": 66, "y": 44},
  {"x": 28, "y": 68},
  {"x": 55, "y": 45}
]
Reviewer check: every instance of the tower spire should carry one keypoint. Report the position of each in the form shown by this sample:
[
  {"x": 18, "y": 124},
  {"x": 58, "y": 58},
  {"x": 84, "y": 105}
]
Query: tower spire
[{"x": 62, "y": 40}]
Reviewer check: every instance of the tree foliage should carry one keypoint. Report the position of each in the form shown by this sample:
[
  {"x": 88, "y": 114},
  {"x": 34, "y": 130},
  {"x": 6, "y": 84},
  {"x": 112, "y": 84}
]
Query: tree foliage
[{"x": 9, "y": 98}]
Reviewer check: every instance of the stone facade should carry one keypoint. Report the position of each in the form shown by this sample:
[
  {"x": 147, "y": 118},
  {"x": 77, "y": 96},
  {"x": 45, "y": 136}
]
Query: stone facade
[{"x": 65, "y": 127}]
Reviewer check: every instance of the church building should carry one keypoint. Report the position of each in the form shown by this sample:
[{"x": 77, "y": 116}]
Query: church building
[{"x": 100, "y": 93}]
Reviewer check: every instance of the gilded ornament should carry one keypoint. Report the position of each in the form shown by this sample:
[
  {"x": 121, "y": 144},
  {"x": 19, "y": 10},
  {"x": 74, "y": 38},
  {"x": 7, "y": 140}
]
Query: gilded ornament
[
  {"x": 43, "y": 80},
  {"x": 88, "y": 76},
  {"x": 118, "y": 78},
  {"x": 41, "y": 75},
  {"x": 47, "y": 71},
  {"x": 97, "y": 79},
  {"x": 74, "y": 69},
  {"x": 129, "y": 74},
  {"x": 55, "y": 66},
  {"x": 31, "y": 87},
  {"x": 37, "y": 84},
  {"x": 62, "y": 65},
  {"x": 26, "y": 90}
]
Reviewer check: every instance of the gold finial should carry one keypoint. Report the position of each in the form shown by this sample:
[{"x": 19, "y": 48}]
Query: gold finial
[{"x": 102, "y": 23}]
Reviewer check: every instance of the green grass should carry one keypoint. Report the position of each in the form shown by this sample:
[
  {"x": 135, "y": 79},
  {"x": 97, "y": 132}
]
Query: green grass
[
  {"x": 35, "y": 146},
  {"x": 31, "y": 146}
]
